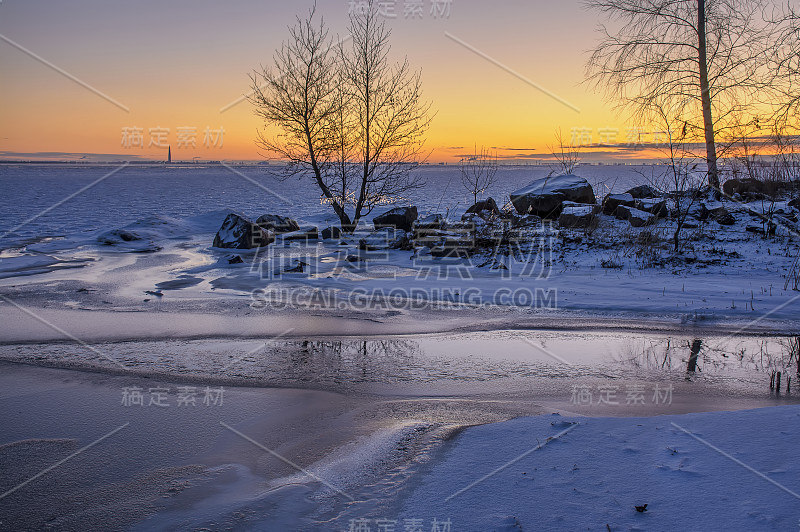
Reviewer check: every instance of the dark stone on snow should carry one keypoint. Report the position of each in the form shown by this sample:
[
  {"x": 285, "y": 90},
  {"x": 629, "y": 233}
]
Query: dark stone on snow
[
  {"x": 722, "y": 216},
  {"x": 385, "y": 238},
  {"x": 304, "y": 234},
  {"x": 277, "y": 224},
  {"x": 742, "y": 187},
  {"x": 544, "y": 197},
  {"x": 331, "y": 232},
  {"x": 636, "y": 217},
  {"x": 485, "y": 209},
  {"x": 575, "y": 216},
  {"x": 237, "y": 232},
  {"x": 699, "y": 212},
  {"x": 644, "y": 191},
  {"x": 398, "y": 218},
  {"x": 759, "y": 229},
  {"x": 656, "y": 207},
  {"x": 612, "y": 201}
]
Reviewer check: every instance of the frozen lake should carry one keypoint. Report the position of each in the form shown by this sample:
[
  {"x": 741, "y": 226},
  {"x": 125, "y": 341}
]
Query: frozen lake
[{"x": 134, "y": 192}]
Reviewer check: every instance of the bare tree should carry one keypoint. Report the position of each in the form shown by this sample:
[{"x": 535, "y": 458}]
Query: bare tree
[
  {"x": 567, "y": 156},
  {"x": 345, "y": 115},
  {"x": 679, "y": 178},
  {"x": 712, "y": 55},
  {"x": 388, "y": 113},
  {"x": 299, "y": 96},
  {"x": 478, "y": 172},
  {"x": 786, "y": 65}
]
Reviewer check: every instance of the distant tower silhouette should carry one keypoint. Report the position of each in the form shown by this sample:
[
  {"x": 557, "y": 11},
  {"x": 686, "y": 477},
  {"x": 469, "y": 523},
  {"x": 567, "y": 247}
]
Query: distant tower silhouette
[{"x": 169, "y": 154}]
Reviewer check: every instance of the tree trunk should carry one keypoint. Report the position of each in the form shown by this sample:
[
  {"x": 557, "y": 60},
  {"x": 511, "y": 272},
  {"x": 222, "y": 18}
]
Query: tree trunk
[
  {"x": 697, "y": 344},
  {"x": 705, "y": 97}
]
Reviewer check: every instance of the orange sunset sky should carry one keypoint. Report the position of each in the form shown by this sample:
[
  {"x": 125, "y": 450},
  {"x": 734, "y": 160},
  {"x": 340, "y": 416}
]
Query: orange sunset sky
[{"x": 181, "y": 64}]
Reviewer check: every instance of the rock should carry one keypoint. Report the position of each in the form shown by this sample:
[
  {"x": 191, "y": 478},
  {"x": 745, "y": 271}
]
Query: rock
[
  {"x": 457, "y": 241},
  {"x": 795, "y": 203},
  {"x": 234, "y": 259},
  {"x": 656, "y": 207},
  {"x": 527, "y": 220},
  {"x": 636, "y": 217},
  {"x": 742, "y": 187},
  {"x": 295, "y": 266},
  {"x": 304, "y": 234},
  {"x": 115, "y": 236},
  {"x": 331, "y": 232},
  {"x": 699, "y": 212},
  {"x": 722, "y": 216},
  {"x": 398, "y": 218},
  {"x": 640, "y": 218},
  {"x": 277, "y": 224},
  {"x": 421, "y": 252},
  {"x": 573, "y": 216},
  {"x": 544, "y": 196},
  {"x": 759, "y": 229},
  {"x": 427, "y": 228},
  {"x": 485, "y": 209},
  {"x": 431, "y": 221},
  {"x": 385, "y": 238},
  {"x": 237, "y": 232},
  {"x": 455, "y": 248},
  {"x": 612, "y": 201},
  {"x": 644, "y": 191}
]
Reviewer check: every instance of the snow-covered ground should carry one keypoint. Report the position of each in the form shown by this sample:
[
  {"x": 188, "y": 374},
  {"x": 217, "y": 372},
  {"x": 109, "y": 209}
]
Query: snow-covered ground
[{"x": 718, "y": 471}]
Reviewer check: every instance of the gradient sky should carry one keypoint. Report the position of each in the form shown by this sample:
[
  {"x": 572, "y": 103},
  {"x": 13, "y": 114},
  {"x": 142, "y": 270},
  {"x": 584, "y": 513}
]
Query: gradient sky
[{"x": 178, "y": 63}]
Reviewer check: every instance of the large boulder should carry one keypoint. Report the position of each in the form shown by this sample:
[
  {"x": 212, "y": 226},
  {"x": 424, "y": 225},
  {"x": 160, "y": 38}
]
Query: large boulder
[
  {"x": 484, "y": 208},
  {"x": 331, "y": 232},
  {"x": 544, "y": 197},
  {"x": 655, "y": 206},
  {"x": 636, "y": 217},
  {"x": 612, "y": 201},
  {"x": 277, "y": 224},
  {"x": 431, "y": 221},
  {"x": 722, "y": 216},
  {"x": 427, "y": 228},
  {"x": 385, "y": 238},
  {"x": 576, "y": 215},
  {"x": 237, "y": 232},
  {"x": 743, "y": 187},
  {"x": 398, "y": 218},
  {"x": 699, "y": 212},
  {"x": 303, "y": 234},
  {"x": 643, "y": 192}
]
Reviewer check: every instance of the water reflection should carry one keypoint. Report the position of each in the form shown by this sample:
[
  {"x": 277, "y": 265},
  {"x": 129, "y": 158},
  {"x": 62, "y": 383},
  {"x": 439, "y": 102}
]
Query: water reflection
[
  {"x": 494, "y": 361},
  {"x": 753, "y": 357},
  {"x": 474, "y": 358}
]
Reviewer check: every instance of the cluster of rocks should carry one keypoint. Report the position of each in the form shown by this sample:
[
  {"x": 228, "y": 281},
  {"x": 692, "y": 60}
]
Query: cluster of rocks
[
  {"x": 569, "y": 199},
  {"x": 239, "y": 232}
]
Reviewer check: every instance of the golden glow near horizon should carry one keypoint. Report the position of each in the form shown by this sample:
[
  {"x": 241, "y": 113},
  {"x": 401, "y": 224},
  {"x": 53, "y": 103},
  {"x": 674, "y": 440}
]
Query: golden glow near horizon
[{"x": 126, "y": 81}]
